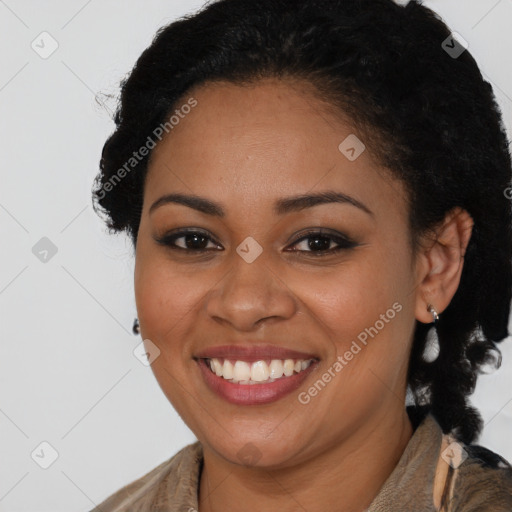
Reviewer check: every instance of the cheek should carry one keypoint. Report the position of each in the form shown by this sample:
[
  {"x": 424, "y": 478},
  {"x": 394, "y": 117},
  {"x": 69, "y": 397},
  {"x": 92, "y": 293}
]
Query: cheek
[
  {"x": 166, "y": 298},
  {"x": 353, "y": 296},
  {"x": 365, "y": 312},
  {"x": 167, "y": 305}
]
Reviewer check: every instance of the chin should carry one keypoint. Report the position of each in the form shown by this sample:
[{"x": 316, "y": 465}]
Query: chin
[{"x": 255, "y": 449}]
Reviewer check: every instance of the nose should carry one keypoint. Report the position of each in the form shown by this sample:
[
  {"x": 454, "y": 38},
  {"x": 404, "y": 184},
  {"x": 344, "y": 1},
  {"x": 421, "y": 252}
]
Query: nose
[{"x": 249, "y": 294}]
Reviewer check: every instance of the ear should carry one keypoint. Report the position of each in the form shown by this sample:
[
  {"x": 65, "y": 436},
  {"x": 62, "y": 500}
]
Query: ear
[{"x": 440, "y": 261}]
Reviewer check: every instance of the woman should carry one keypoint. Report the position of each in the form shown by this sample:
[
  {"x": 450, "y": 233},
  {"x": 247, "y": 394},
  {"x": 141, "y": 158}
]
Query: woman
[{"x": 316, "y": 195}]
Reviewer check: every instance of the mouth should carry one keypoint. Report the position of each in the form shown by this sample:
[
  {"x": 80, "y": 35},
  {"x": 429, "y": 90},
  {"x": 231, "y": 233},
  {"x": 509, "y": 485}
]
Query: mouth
[
  {"x": 254, "y": 375},
  {"x": 258, "y": 372}
]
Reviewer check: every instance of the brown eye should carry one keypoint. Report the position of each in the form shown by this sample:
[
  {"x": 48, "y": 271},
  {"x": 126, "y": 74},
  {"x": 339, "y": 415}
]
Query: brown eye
[
  {"x": 319, "y": 243},
  {"x": 192, "y": 241}
]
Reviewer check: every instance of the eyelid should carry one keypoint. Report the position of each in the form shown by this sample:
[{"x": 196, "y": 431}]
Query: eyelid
[
  {"x": 342, "y": 241},
  {"x": 319, "y": 231},
  {"x": 175, "y": 234}
]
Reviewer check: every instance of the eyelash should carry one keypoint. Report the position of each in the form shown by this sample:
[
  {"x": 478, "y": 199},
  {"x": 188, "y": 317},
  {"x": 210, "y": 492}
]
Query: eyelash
[{"x": 343, "y": 241}]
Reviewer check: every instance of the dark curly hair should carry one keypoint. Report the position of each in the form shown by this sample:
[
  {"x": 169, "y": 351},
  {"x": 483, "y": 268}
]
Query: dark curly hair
[{"x": 433, "y": 120}]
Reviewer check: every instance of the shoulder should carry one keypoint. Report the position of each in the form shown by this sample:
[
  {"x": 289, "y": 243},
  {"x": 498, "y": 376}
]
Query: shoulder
[
  {"x": 142, "y": 493},
  {"x": 482, "y": 482}
]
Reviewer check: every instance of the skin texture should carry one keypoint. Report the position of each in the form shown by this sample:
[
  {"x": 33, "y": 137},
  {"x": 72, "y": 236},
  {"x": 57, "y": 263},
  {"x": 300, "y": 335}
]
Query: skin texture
[{"x": 245, "y": 147}]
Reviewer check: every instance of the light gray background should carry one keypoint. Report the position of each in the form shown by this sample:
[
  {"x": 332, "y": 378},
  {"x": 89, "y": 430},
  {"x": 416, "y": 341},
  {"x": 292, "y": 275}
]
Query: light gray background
[{"x": 68, "y": 375}]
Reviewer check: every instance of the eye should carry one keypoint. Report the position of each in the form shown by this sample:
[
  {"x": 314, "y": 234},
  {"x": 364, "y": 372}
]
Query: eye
[
  {"x": 315, "y": 242},
  {"x": 193, "y": 241},
  {"x": 319, "y": 243}
]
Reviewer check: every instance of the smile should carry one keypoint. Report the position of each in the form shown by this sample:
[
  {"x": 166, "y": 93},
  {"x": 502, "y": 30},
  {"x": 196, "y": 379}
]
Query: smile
[
  {"x": 257, "y": 372},
  {"x": 254, "y": 383}
]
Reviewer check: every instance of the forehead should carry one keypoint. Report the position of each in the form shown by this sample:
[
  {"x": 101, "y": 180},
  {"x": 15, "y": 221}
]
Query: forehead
[{"x": 250, "y": 143}]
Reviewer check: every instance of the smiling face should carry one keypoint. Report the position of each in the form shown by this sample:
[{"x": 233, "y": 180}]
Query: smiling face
[{"x": 348, "y": 313}]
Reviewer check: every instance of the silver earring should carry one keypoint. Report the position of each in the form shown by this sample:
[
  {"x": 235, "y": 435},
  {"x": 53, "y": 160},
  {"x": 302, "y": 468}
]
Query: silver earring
[
  {"x": 435, "y": 316},
  {"x": 136, "y": 327},
  {"x": 431, "y": 351}
]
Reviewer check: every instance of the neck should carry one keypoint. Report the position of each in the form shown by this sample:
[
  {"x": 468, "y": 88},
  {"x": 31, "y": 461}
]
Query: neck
[{"x": 345, "y": 477}]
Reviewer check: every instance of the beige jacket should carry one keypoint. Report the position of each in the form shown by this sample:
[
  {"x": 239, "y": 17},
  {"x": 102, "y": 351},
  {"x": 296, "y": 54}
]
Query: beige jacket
[{"x": 434, "y": 474}]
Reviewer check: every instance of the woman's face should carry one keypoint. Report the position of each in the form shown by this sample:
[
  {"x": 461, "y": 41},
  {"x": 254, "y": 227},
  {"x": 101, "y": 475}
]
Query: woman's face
[{"x": 253, "y": 287}]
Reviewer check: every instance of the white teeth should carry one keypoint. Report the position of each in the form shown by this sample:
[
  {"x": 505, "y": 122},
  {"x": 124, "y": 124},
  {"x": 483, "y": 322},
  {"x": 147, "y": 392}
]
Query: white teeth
[
  {"x": 260, "y": 371},
  {"x": 241, "y": 371},
  {"x": 217, "y": 367},
  {"x": 288, "y": 367},
  {"x": 227, "y": 369},
  {"x": 276, "y": 369}
]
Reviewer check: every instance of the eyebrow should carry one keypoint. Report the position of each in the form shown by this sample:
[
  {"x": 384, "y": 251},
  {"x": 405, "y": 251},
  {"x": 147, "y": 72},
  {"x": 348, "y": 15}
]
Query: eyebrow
[{"x": 281, "y": 206}]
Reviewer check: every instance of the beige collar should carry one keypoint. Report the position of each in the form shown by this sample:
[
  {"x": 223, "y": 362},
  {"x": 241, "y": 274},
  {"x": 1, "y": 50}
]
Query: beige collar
[{"x": 416, "y": 483}]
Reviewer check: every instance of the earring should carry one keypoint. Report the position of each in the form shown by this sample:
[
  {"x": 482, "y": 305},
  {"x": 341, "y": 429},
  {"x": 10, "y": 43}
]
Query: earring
[
  {"x": 136, "y": 327},
  {"x": 431, "y": 351},
  {"x": 435, "y": 316}
]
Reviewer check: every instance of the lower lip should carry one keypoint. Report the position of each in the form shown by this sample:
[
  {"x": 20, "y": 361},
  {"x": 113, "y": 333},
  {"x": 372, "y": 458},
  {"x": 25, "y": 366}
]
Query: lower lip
[{"x": 253, "y": 394}]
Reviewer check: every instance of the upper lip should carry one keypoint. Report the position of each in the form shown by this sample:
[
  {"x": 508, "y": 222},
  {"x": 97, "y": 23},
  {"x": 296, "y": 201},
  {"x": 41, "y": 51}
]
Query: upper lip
[{"x": 252, "y": 353}]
